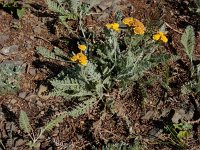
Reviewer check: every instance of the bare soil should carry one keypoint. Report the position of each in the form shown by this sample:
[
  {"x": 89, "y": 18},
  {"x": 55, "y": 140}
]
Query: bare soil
[{"x": 147, "y": 115}]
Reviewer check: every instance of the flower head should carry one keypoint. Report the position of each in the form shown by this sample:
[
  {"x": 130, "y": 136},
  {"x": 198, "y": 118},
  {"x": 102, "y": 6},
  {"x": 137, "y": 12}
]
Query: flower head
[
  {"x": 113, "y": 26},
  {"x": 80, "y": 58},
  {"x": 137, "y": 26},
  {"x": 160, "y": 36},
  {"x": 138, "y": 30},
  {"x": 128, "y": 21},
  {"x": 82, "y": 47}
]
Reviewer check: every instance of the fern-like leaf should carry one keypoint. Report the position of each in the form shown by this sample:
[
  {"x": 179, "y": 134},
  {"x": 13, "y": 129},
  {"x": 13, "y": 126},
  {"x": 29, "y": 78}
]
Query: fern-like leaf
[
  {"x": 24, "y": 122},
  {"x": 47, "y": 54},
  {"x": 188, "y": 41},
  {"x": 82, "y": 108},
  {"x": 56, "y": 7},
  {"x": 49, "y": 126}
]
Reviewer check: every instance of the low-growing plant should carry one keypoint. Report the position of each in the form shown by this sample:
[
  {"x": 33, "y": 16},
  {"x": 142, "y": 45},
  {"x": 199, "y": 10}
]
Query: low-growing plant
[
  {"x": 188, "y": 41},
  {"x": 25, "y": 125},
  {"x": 71, "y": 10},
  {"x": 117, "y": 146},
  {"x": 198, "y": 5},
  {"x": 179, "y": 133},
  {"x": 15, "y": 7},
  {"x": 9, "y": 78},
  {"x": 113, "y": 63}
]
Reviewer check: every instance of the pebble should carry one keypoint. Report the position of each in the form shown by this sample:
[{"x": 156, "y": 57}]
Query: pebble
[
  {"x": 39, "y": 103},
  {"x": 22, "y": 95},
  {"x": 37, "y": 30},
  {"x": 12, "y": 62},
  {"x": 13, "y": 101},
  {"x": 41, "y": 91},
  {"x": 9, "y": 50},
  {"x": 31, "y": 96},
  {"x": 3, "y": 39},
  {"x": 32, "y": 71},
  {"x": 20, "y": 142},
  {"x": 107, "y": 3}
]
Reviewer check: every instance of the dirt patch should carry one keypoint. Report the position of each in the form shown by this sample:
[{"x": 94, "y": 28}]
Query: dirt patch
[{"x": 141, "y": 116}]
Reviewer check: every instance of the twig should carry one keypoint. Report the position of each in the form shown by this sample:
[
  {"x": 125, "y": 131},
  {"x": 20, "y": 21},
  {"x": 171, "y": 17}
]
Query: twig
[
  {"x": 173, "y": 28},
  {"x": 194, "y": 122},
  {"x": 2, "y": 145},
  {"x": 39, "y": 37}
]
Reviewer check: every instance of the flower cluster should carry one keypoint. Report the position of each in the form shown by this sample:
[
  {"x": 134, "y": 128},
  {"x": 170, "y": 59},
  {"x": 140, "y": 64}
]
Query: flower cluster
[
  {"x": 136, "y": 25},
  {"x": 80, "y": 57},
  {"x": 113, "y": 26},
  {"x": 160, "y": 36}
]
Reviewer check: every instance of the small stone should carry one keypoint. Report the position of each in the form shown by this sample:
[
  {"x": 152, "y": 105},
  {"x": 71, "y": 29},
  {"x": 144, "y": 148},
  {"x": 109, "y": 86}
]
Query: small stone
[
  {"x": 31, "y": 96},
  {"x": 22, "y": 95},
  {"x": 32, "y": 71},
  {"x": 9, "y": 50},
  {"x": 12, "y": 62},
  {"x": 37, "y": 30},
  {"x": 179, "y": 114},
  {"x": 20, "y": 142},
  {"x": 148, "y": 115},
  {"x": 39, "y": 103},
  {"x": 41, "y": 92},
  {"x": 13, "y": 101},
  {"x": 3, "y": 39},
  {"x": 107, "y": 3}
]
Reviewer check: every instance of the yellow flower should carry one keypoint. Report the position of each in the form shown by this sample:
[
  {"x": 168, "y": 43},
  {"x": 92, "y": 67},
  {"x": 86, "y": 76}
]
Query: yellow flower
[
  {"x": 80, "y": 58},
  {"x": 128, "y": 21},
  {"x": 113, "y": 26},
  {"x": 138, "y": 27},
  {"x": 74, "y": 58},
  {"x": 82, "y": 47},
  {"x": 156, "y": 37},
  {"x": 108, "y": 26},
  {"x": 164, "y": 39},
  {"x": 137, "y": 23},
  {"x": 138, "y": 30},
  {"x": 160, "y": 36}
]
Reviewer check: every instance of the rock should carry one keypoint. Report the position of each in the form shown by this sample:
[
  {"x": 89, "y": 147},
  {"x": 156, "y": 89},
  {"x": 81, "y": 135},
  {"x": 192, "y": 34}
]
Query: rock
[
  {"x": 177, "y": 116},
  {"x": 107, "y": 3},
  {"x": 182, "y": 114},
  {"x": 20, "y": 142},
  {"x": 41, "y": 92},
  {"x": 31, "y": 96},
  {"x": 148, "y": 115},
  {"x": 32, "y": 71},
  {"x": 22, "y": 95},
  {"x": 14, "y": 62},
  {"x": 37, "y": 30},
  {"x": 39, "y": 103},
  {"x": 13, "y": 101},
  {"x": 3, "y": 39},
  {"x": 9, "y": 50}
]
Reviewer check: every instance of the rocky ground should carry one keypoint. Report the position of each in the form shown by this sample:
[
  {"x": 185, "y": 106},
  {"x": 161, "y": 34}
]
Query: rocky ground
[{"x": 38, "y": 27}]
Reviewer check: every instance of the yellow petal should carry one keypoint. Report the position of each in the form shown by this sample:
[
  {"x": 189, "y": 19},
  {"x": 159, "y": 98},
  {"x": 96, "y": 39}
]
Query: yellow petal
[
  {"x": 156, "y": 37},
  {"x": 128, "y": 21},
  {"x": 137, "y": 23},
  {"x": 108, "y": 26},
  {"x": 161, "y": 33},
  {"x": 164, "y": 39},
  {"x": 74, "y": 58},
  {"x": 82, "y": 47},
  {"x": 115, "y": 26},
  {"x": 138, "y": 30}
]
